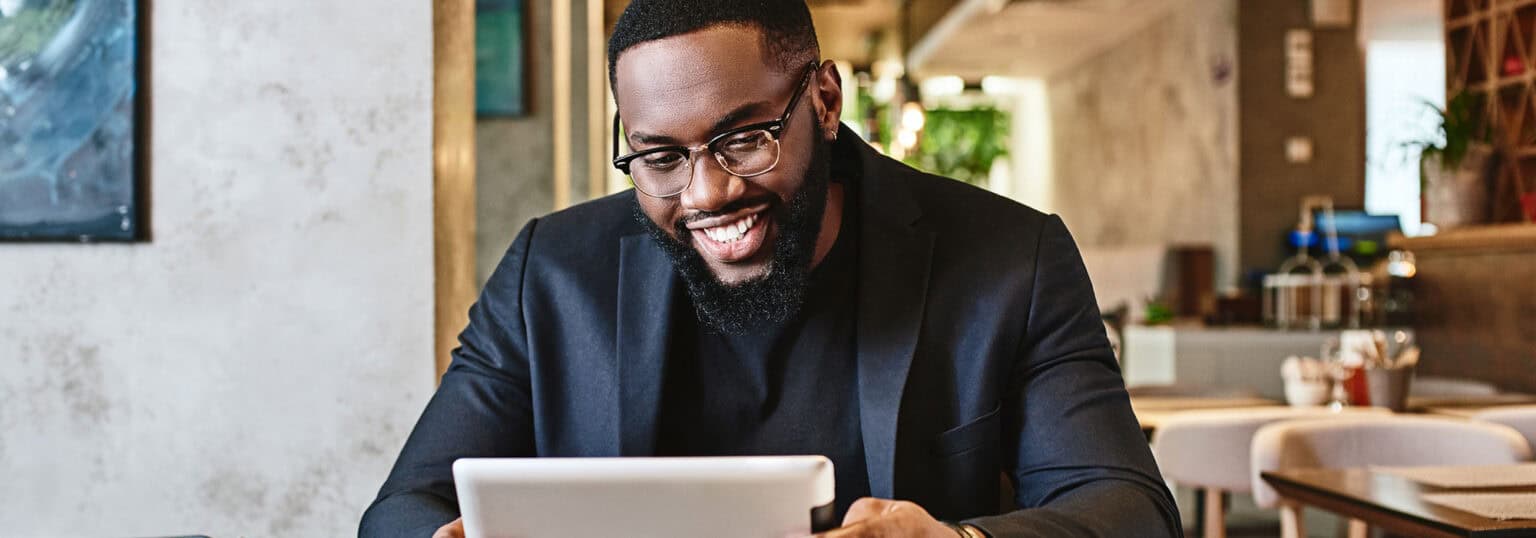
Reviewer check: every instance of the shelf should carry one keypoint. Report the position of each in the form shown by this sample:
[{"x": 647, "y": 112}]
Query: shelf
[
  {"x": 1513, "y": 81},
  {"x": 1461, "y": 22},
  {"x": 1506, "y": 5},
  {"x": 1492, "y": 237},
  {"x": 1491, "y": 58}
]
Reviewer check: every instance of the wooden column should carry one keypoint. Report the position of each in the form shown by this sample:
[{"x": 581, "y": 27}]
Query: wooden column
[
  {"x": 598, "y": 126},
  {"x": 453, "y": 171},
  {"x": 560, "y": 35}
]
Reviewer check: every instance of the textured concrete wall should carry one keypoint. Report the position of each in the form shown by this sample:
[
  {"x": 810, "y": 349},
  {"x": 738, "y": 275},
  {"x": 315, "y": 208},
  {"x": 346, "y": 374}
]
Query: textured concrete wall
[
  {"x": 254, "y": 369},
  {"x": 1145, "y": 137}
]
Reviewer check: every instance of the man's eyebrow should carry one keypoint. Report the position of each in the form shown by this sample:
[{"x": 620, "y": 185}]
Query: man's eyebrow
[
  {"x": 644, "y": 138},
  {"x": 727, "y": 121},
  {"x": 742, "y": 112}
]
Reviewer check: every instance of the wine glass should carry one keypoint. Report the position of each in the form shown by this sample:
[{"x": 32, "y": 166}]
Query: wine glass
[{"x": 1333, "y": 360}]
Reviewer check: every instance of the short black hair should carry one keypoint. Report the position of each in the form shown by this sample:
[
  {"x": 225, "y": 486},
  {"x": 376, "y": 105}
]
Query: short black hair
[{"x": 789, "y": 36}]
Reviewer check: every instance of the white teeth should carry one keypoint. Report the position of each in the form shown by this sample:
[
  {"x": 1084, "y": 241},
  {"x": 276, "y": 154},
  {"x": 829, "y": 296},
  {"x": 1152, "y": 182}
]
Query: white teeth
[{"x": 731, "y": 232}]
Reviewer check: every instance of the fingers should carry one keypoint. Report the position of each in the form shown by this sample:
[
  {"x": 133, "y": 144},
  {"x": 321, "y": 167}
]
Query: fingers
[
  {"x": 869, "y": 517},
  {"x": 855, "y": 530},
  {"x": 877, "y": 527},
  {"x": 451, "y": 530},
  {"x": 868, "y": 508}
]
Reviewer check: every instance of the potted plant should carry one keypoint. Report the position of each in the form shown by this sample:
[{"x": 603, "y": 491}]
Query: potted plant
[
  {"x": 1453, "y": 166},
  {"x": 962, "y": 143}
]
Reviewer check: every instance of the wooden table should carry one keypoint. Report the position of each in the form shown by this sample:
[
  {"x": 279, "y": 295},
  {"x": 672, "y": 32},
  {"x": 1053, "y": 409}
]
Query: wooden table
[
  {"x": 1467, "y": 406},
  {"x": 1152, "y": 410},
  {"x": 1391, "y": 502}
]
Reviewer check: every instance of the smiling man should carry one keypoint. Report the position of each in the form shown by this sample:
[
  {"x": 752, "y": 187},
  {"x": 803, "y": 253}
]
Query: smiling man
[{"x": 773, "y": 285}]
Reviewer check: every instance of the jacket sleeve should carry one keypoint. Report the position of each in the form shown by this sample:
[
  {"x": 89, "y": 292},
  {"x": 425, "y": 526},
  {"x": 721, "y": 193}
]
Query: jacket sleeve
[
  {"x": 482, "y": 408},
  {"x": 1080, "y": 465}
]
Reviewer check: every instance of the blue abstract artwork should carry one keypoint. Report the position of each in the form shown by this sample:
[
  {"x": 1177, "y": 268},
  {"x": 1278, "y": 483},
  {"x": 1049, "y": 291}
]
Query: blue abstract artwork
[
  {"x": 499, "y": 58},
  {"x": 68, "y": 120}
]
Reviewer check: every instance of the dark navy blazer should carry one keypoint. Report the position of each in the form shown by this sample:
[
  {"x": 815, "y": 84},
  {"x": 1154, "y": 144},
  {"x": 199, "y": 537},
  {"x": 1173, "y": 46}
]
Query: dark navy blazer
[{"x": 980, "y": 353}]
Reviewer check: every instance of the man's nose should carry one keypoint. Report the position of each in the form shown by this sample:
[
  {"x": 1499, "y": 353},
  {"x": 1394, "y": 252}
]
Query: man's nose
[{"x": 712, "y": 187}]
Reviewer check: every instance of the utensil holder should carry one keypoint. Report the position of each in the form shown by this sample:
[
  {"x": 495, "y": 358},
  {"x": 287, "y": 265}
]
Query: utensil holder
[{"x": 1388, "y": 387}]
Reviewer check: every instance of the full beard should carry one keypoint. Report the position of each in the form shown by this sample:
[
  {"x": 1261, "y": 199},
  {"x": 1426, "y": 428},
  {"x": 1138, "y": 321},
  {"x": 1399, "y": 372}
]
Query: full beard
[{"x": 775, "y": 297}]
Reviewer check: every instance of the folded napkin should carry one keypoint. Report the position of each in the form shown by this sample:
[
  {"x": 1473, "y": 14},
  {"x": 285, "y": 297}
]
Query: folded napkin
[
  {"x": 1490, "y": 505},
  {"x": 1467, "y": 476}
]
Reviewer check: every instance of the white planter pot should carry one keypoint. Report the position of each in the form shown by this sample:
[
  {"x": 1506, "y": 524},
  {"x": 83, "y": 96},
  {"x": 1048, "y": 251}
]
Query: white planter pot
[{"x": 1458, "y": 196}]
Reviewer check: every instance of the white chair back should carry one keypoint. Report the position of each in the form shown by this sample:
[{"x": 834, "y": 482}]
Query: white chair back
[
  {"x": 1520, "y": 417},
  {"x": 1210, "y": 448},
  {"x": 1379, "y": 440}
]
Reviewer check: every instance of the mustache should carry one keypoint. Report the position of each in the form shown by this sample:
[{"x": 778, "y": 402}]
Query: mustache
[{"x": 773, "y": 203}]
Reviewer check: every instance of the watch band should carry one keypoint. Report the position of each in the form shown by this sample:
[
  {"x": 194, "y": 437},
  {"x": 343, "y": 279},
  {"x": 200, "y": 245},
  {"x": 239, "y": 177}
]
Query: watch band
[{"x": 966, "y": 531}]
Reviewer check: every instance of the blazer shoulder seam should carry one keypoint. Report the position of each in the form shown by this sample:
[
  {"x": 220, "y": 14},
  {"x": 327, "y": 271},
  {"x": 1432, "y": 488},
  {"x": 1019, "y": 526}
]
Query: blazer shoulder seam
[{"x": 1034, "y": 282}]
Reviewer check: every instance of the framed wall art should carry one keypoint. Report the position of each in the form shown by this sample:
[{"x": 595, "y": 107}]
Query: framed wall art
[
  {"x": 70, "y": 120},
  {"x": 501, "y": 58}
]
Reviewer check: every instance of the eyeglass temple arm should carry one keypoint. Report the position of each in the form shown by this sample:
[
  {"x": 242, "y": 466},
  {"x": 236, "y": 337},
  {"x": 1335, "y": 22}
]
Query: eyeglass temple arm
[
  {"x": 805, "y": 84},
  {"x": 616, "y": 141}
]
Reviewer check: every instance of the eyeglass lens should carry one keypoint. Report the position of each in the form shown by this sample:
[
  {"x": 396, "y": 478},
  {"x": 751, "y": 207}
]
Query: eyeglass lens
[{"x": 742, "y": 154}]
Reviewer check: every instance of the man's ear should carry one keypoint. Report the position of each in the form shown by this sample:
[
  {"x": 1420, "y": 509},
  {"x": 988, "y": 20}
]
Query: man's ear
[{"x": 829, "y": 98}]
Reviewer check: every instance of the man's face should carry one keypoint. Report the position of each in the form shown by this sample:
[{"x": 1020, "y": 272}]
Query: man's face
[{"x": 683, "y": 90}]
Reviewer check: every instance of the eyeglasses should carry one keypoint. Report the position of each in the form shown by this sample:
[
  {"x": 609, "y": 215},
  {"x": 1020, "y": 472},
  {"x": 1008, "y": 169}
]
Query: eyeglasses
[{"x": 746, "y": 151}]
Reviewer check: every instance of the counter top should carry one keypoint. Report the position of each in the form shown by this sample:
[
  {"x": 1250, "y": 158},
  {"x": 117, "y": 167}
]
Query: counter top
[{"x": 1472, "y": 238}]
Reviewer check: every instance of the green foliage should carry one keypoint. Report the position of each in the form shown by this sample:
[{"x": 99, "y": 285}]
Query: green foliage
[
  {"x": 1457, "y": 132},
  {"x": 1158, "y": 313},
  {"x": 23, "y": 35},
  {"x": 962, "y": 143}
]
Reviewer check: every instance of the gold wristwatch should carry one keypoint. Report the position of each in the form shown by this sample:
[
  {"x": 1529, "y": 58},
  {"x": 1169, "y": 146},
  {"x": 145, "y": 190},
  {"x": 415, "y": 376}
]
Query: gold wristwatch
[{"x": 967, "y": 531}]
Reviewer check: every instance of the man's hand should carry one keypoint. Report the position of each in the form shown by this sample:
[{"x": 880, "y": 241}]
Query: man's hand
[
  {"x": 870, "y": 517},
  {"x": 451, "y": 530}
]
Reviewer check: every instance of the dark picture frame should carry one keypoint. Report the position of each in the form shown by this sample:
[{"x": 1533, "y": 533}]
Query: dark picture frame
[
  {"x": 501, "y": 58},
  {"x": 73, "y": 121}
]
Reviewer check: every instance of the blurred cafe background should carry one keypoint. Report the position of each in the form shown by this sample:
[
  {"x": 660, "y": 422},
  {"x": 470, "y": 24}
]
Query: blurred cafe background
[{"x": 1310, "y": 224}]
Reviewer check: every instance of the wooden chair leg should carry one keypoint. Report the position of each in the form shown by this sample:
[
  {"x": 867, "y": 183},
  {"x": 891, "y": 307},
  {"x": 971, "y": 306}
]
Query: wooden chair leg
[
  {"x": 1291, "y": 523},
  {"x": 1358, "y": 529},
  {"x": 1215, "y": 517}
]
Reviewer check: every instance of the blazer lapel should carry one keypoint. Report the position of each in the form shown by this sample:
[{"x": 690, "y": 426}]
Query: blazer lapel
[
  {"x": 646, "y": 291},
  {"x": 894, "y": 258}
]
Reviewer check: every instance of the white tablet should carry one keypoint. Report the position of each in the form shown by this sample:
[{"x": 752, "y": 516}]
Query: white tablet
[{"x": 769, "y": 497}]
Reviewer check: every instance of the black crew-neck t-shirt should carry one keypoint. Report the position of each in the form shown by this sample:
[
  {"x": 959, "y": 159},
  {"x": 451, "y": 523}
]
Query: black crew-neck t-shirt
[{"x": 785, "y": 390}]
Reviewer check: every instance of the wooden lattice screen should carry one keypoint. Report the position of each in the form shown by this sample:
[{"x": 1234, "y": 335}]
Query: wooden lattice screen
[{"x": 1491, "y": 55}]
